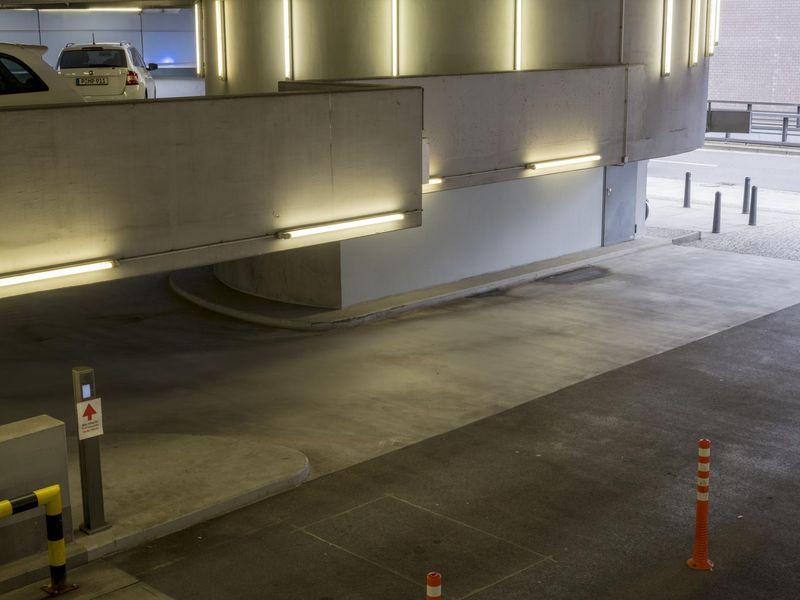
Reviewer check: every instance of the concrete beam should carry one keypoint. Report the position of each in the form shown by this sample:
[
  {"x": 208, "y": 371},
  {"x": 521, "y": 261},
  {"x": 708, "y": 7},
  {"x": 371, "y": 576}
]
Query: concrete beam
[{"x": 179, "y": 183}]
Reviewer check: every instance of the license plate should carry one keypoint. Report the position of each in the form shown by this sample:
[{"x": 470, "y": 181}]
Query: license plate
[{"x": 91, "y": 81}]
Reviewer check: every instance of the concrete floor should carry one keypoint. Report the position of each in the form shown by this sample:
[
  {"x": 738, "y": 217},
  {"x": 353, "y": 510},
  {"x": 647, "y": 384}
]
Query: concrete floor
[
  {"x": 166, "y": 368},
  {"x": 586, "y": 493}
]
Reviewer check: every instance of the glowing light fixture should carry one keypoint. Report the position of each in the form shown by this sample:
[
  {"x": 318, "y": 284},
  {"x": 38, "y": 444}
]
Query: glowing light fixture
[
  {"x": 716, "y": 25},
  {"x": 435, "y": 180},
  {"x": 219, "y": 22},
  {"x": 343, "y": 225},
  {"x": 288, "y": 41},
  {"x": 564, "y": 162},
  {"x": 711, "y": 27},
  {"x": 694, "y": 53},
  {"x": 96, "y": 9},
  {"x": 395, "y": 38},
  {"x": 518, "y": 36},
  {"x": 666, "y": 48},
  {"x": 55, "y": 273},
  {"x": 198, "y": 38}
]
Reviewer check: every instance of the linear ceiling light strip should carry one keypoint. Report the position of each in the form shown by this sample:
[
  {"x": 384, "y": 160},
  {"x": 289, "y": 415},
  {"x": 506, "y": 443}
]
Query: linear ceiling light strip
[
  {"x": 395, "y": 38},
  {"x": 219, "y": 21},
  {"x": 694, "y": 53},
  {"x": 288, "y": 40},
  {"x": 198, "y": 37},
  {"x": 56, "y": 272},
  {"x": 564, "y": 162},
  {"x": 518, "y": 35},
  {"x": 666, "y": 50},
  {"x": 340, "y": 226}
]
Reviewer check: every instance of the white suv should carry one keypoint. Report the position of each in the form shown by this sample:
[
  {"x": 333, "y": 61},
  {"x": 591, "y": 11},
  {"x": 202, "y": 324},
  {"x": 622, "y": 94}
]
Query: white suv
[
  {"x": 107, "y": 71},
  {"x": 26, "y": 79}
]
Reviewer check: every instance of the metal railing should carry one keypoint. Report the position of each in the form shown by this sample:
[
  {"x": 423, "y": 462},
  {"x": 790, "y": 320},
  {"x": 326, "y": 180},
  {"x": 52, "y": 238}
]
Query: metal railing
[{"x": 771, "y": 123}]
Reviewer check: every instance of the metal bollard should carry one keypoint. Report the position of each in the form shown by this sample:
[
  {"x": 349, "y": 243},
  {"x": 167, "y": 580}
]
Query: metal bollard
[
  {"x": 746, "y": 199},
  {"x": 687, "y": 191},
  {"x": 717, "y": 213},
  {"x": 754, "y": 206}
]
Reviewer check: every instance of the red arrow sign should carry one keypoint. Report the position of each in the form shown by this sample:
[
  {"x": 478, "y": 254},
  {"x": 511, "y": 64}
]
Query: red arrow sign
[{"x": 89, "y": 412}]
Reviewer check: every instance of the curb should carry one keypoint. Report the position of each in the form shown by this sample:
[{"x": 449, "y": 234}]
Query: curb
[
  {"x": 395, "y": 305},
  {"x": 81, "y": 551}
]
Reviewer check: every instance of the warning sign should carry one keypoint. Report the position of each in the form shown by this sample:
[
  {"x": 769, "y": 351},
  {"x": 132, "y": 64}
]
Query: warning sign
[{"x": 90, "y": 418}]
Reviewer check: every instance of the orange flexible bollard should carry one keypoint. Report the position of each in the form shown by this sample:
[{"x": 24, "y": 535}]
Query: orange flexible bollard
[
  {"x": 434, "y": 586},
  {"x": 699, "y": 560}
]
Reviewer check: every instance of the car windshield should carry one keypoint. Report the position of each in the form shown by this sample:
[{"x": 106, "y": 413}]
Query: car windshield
[{"x": 85, "y": 58}]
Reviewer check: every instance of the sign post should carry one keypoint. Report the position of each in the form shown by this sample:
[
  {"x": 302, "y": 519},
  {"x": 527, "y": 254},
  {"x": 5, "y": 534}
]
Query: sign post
[{"x": 89, "y": 410}]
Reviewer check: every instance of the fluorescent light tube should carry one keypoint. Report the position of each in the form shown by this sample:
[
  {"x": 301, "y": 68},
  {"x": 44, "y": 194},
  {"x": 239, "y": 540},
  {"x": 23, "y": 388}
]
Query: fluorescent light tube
[
  {"x": 518, "y": 36},
  {"x": 694, "y": 55},
  {"x": 96, "y": 9},
  {"x": 315, "y": 230},
  {"x": 435, "y": 180},
  {"x": 219, "y": 9},
  {"x": 666, "y": 50},
  {"x": 54, "y": 273},
  {"x": 288, "y": 41},
  {"x": 198, "y": 39},
  {"x": 395, "y": 38},
  {"x": 564, "y": 162},
  {"x": 716, "y": 25}
]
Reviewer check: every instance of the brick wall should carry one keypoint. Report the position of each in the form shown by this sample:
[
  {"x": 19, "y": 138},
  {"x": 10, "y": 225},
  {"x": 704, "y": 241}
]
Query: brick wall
[{"x": 758, "y": 57}]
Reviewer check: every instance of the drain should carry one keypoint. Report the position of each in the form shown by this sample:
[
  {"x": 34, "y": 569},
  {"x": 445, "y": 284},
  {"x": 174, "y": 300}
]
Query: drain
[{"x": 578, "y": 275}]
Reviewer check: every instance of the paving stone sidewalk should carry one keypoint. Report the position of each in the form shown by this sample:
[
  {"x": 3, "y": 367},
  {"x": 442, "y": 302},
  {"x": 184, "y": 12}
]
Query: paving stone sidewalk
[{"x": 776, "y": 236}]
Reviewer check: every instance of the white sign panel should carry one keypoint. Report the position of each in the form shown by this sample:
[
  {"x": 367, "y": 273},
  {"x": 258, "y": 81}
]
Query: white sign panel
[{"x": 90, "y": 418}]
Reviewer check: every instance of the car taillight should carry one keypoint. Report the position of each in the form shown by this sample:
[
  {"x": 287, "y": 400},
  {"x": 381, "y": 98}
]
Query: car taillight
[{"x": 133, "y": 78}]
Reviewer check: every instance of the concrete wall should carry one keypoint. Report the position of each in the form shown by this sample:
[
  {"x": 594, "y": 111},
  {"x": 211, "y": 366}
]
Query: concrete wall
[
  {"x": 756, "y": 59},
  {"x": 200, "y": 181},
  {"x": 481, "y": 123},
  {"x": 669, "y": 115},
  {"x": 569, "y": 33},
  {"x": 455, "y": 36},
  {"x": 478, "y": 230},
  {"x": 33, "y": 453},
  {"x": 345, "y": 38}
]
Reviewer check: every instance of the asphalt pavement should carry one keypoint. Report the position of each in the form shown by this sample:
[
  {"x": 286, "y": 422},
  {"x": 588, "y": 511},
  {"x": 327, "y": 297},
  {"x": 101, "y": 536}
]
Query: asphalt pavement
[
  {"x": 730, "y": 167},
  {"x": 586, "y": 493}
]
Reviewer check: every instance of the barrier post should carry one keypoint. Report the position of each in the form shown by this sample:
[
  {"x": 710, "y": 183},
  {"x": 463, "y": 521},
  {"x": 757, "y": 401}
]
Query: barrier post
[
  {"x": 746, "y": 199},
  {"x": 699, "y": 560},
  {"x": 50, "y": 498},
  {"x": 434, "y": 586},
  {"x": 754, "y": 206},
  {"x": 687, "y": 191},
  {"x": 716, "y": 226}
]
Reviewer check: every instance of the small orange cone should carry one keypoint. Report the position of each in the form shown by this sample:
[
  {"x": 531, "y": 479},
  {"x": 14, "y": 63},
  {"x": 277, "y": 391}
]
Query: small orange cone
[
  {"x": 434, "y": 586},
  {"x": 699, "y": 560}
]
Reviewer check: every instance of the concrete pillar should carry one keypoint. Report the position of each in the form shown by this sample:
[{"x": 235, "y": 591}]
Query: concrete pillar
[{"x": 253, "y": 43}]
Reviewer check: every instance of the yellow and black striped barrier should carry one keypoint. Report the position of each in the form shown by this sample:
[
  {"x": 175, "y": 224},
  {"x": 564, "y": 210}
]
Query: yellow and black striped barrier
[{"x": 50, "y": 498}]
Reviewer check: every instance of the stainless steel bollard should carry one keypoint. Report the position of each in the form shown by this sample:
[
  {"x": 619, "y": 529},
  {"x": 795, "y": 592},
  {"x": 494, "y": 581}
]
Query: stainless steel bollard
[
  {"x": 754, "y": 206},
  {"x": 687, "y": 192},
  {"x": 717, "y": 213},
  {"x": 746, "y": 199}
]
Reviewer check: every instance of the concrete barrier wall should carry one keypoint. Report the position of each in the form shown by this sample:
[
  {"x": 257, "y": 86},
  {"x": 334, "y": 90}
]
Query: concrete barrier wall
[
  {"x": 178, "y": 183},
  {"x": 33, "y": 453}
]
